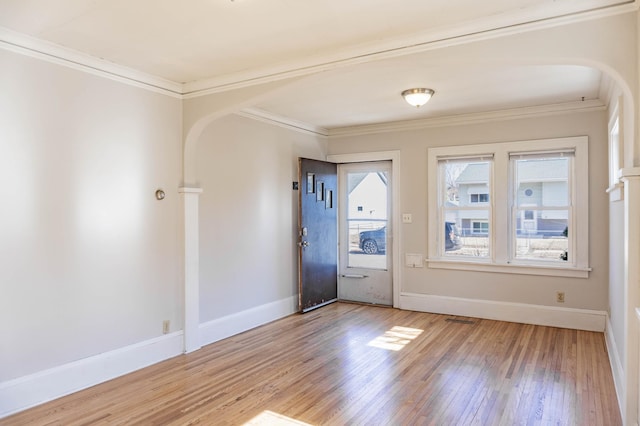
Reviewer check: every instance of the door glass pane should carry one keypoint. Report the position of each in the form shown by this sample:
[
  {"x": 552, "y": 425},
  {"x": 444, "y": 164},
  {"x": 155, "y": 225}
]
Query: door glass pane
[{"x": 367, "y": 218}]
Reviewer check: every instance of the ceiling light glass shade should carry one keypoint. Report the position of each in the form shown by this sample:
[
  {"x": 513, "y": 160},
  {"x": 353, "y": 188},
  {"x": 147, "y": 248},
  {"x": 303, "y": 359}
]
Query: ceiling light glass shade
[{"x": 417, "y": 97}]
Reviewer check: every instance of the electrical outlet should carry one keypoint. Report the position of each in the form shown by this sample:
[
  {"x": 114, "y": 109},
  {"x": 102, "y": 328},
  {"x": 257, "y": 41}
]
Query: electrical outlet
[
  {"x": 166, "y": 325},
  {"x": 560, "y": 296}
]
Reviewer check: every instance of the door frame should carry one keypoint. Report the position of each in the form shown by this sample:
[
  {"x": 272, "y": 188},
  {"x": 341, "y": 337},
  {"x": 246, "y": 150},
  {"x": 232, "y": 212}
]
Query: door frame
[{"x": 394, "y": 157}]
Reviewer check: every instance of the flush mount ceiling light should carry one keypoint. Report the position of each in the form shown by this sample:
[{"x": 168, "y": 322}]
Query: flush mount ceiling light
[{"x": 417, "y": 97}]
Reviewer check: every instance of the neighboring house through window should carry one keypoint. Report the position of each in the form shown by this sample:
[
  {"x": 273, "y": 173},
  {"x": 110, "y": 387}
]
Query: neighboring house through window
[{"x": 515, "y": 205}]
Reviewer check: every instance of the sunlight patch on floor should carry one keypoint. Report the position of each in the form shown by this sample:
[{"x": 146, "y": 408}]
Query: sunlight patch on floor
[
  {"x": 269, "y": 418},
  {"x": 396, "y": 338}
]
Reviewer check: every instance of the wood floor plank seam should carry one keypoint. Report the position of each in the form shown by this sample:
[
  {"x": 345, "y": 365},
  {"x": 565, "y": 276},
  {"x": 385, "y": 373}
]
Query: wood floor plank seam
[{"x": 349, "y": 364}]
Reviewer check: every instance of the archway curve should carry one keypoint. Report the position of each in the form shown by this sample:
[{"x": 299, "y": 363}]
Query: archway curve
[
  {"x": 209, "y": 109},
  {"x": 199, "y": 113}
]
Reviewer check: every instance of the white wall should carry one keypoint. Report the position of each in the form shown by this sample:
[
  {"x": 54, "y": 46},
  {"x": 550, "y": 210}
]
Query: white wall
[
  {"x": 248, "y": 213},
  {"x": 89, "y": 260},
  {"x": 591, "y": 293}
]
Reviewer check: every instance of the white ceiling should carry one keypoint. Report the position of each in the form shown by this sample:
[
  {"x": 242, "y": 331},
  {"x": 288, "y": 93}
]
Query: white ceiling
[{"x": 225, "y": 43}]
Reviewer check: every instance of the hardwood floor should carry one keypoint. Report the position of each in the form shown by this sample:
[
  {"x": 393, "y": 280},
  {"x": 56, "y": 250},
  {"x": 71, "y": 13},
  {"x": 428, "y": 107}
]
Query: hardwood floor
[{"x": 354, "y": 364}]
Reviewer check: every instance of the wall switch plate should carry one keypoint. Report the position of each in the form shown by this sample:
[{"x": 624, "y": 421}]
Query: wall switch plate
[{"x": 406, "y": 218}]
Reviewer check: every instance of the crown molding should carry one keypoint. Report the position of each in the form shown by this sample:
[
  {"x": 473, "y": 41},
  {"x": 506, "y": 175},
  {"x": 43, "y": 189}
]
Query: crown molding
[
  {"x": 473, "y": 118},
  {"x": 50, "y": 52},
  {"x": 484, "y": 29},
  {"x": 453, "y": 120},
  {"x": 282, "y": 121}
]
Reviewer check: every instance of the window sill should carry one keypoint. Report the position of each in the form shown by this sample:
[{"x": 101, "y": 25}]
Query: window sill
[
  {"x": 551, "y": 271},
  {"x": 616, "y": 192}
]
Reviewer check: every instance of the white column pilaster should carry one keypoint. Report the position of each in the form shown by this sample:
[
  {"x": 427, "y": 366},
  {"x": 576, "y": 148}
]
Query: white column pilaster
[
  {"x": 190, "y": 198},
  {"x": 631, "y": 363}
]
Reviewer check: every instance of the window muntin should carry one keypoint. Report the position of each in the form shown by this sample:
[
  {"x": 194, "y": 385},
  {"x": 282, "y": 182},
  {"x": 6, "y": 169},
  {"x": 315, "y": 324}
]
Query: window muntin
[
  {"x": 507, "y": 206},
  {"x": 461, "y": 182}
]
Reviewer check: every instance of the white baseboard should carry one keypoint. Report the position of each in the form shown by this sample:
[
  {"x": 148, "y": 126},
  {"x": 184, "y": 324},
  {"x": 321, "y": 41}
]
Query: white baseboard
[
  {"x": 44, "y": 386},
  {"x": 616, "y": 364},
  {"x": 28, "y": 391},
  {"x": 580, "y": 319},
  {"x": 224, "y": 327}
]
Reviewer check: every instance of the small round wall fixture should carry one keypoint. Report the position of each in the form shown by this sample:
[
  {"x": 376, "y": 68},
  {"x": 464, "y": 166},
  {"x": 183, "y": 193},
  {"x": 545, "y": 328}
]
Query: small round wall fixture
[
  {"x": 418, "y": 96},
  {"x": 159, "y": 194}
]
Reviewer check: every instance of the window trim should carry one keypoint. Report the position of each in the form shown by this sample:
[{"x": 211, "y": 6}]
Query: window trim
[
  {"x": 537, "y": 209},
  {"x": 500, "y": 259},
  {"x": 615, "y": 147}
]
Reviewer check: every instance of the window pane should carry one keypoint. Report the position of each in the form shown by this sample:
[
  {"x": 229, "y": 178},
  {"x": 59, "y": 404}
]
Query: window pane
[
  {"x": 542, "y": 234},
  {"x": 542, "y": 198},
  {"x": 367, "y": 219},
  {"x": 466, "y": 207},
  {"x": 469, "y": 236},
  {"x": 464, "y": 181},
  {"x": 542, "y": 182}
]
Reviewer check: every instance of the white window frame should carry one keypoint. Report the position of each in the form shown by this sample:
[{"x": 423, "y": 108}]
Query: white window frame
[
  {"x": 537, "y": 209},
  {"x": 616, "y": 151},
  {"x": 500, "y": 259}
]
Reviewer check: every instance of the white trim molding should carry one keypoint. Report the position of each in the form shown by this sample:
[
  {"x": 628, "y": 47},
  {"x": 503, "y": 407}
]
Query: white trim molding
[
  {"x": 190, "y": 201},
  {"x": 283, "y": 121},
  {"x": 630, "y": 178},
  {"x": 502, "y": 256},
  {"x": 548, "y": 271},
  {"x": 60, "y": 55},
  {"x": 230, "y": 325},
  {"x": 520, "y": 21},
  {"x": 500, "y": 25},
  {"x": 396, "y": 215},
  {"x": 28, "y": 391},
  {"x": 471, "y": 118},
  {"x": 616, "y": 192},
  {"x": 615, "y": 363},
  {"x": 579, "y": 319}
]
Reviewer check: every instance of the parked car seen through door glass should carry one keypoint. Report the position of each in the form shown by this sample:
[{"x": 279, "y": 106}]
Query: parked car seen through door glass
[{"x": 375, "y": 241}]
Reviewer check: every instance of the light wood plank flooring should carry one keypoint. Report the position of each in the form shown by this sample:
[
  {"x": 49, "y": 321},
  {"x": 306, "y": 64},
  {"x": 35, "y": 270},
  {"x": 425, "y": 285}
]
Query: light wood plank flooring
[{"x": 361, "y": 365}]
